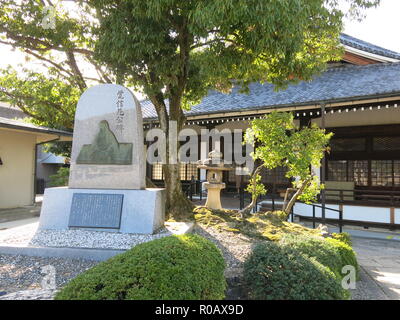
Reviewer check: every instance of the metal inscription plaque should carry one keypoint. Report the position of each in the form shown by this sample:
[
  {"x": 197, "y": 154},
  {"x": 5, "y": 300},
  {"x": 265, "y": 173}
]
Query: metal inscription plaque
[{"x": 96, "y": 210}]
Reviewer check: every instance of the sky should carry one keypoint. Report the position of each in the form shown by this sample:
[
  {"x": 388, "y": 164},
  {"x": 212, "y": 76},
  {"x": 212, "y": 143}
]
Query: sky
[{"x": 380, "y": 27}]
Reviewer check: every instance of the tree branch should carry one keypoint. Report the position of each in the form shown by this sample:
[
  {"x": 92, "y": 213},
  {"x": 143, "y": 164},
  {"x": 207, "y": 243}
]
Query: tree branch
[
  {"x": 74, "y": 66},
  {"x": 57, "y": 65}
]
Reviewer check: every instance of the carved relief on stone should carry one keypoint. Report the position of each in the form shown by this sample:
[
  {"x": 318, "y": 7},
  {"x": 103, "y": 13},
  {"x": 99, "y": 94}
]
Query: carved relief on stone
[{"x": 105, "y": 149}]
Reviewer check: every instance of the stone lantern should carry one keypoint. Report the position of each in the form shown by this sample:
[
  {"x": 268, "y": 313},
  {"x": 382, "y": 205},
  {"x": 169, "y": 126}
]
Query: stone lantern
[{"x": 215, "y": 167}]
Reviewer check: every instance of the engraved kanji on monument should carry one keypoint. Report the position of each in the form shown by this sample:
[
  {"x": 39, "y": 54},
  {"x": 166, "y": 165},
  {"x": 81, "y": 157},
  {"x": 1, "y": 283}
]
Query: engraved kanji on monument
[{"x": 108, "y": 150}]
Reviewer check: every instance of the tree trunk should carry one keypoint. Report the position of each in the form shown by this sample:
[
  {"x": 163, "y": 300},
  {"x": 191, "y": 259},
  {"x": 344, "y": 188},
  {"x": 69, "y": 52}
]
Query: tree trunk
[
  {"x": 246, "y": 211},
  {"x": 287, "y": 208},
  {"x": 178, "y": 207}
]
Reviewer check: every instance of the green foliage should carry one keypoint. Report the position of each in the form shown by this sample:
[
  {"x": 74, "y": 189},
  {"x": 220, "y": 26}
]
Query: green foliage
[
  {"x": 276, "y": 272},
  {"x": 206, "y": 44},
  {"x": 282, "y": 144},
  {"x": 61, "y": 178},
  {"x": 49, "y": 100},
  {"x": 58, "y": 59},
  {"x": 260, "y": 226},
  {"x": 255, "y": 187},
  {"x": 343, "y": 236},
  {"x": 329, "y": 252},
  {"x": 346, "y": 252},
  {"x": 182, "y": 267}
]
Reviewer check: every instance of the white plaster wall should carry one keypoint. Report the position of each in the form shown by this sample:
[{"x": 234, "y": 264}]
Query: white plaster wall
[
  {"x": 369, "y": 214},
  {"x": 397, "y": 216},
  {"x": 17, "y": 150},
  {"x": 356, "y": 213},
  {"x": 306, "y": 211}
]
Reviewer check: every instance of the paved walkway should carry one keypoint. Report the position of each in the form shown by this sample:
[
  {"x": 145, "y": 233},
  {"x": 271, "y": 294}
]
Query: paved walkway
[
  {"x": 380, "y": 269},
  {"x": 21, "y": 213}
]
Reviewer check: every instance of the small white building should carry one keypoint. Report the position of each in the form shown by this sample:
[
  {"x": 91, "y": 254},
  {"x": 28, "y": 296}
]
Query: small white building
[{"x": 18, "y": 145}]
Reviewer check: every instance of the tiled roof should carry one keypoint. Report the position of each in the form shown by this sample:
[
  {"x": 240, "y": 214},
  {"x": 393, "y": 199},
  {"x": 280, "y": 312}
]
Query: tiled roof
[
  {"x": 367, "y": 47},
  {"x": 20, "y": 125},
  {"x": 10, "y": 112},
  {"x": 345, "y": 83}
]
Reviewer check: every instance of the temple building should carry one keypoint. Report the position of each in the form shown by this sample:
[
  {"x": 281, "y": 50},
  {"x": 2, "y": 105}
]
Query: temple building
[{"x": 358, "y": 99}]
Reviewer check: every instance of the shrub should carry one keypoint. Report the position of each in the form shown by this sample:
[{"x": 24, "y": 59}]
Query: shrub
[
  {"x": 60, "y": 179},
  {"x": 330, "y": 252},
  {"x": 346, "y": 252},
  {"x": 343, "y": 236},
  {"x": 171, "y": 268},
  {"x": 276, "y": 272}
]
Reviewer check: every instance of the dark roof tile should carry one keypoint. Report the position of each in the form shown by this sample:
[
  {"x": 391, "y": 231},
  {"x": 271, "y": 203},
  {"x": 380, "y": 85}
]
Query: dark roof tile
[{"x": 336, "y": 84}]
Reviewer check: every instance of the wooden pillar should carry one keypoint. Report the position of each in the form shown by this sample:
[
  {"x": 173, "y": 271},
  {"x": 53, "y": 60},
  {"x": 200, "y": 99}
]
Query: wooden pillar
[
  {"x": 323, "y": 167},
  {"x": 392, "y": 218}
]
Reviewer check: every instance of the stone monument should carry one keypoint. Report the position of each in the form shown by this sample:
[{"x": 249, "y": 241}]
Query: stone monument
[{"x": 107, "y": 186}]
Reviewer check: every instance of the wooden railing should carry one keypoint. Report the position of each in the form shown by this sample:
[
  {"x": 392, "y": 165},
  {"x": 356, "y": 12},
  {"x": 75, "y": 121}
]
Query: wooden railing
[{"x": 388, "y": 198}]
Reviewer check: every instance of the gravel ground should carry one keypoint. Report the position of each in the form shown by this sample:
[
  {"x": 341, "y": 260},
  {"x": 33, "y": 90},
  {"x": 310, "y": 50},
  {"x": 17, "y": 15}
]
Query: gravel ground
[
  {"x": 21, "y": 276},
  {"x": 28, "y": 235},
  {"x": 20, "y": 273},
  {"x": 235, "y": 247},
  {"x": 92, "y": 239}
]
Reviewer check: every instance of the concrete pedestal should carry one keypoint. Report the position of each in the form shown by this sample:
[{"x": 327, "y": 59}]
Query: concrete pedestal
[
  {"x": 214, "y": 195},
  {"x": 143, "y": 211}
]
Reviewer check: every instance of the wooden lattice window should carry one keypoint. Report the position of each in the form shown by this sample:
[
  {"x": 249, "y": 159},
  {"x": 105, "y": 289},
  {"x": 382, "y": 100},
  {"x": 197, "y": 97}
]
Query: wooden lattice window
[
  {"x": 386, "y": 143},
  {"x": 182, "y": 169},
  {"x": 192, "y": 171},
  {"x": 349, "y": 170},
  {"x": 348, "y": 144},
  {"x": 276, "y": 175},
  {"x": 396, "y": 172},
  {"x": 337, "y": 171},
  {"x": 157, "y": 172},
  {"x": 358, "y": 172},
  {"x": 382, "y": 173}
]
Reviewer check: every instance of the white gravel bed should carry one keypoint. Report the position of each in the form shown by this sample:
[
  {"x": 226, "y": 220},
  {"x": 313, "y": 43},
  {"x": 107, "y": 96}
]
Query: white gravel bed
[
  {"x": 92, "y": 239},
  {"x": 29, "y": 236},
  {"x": 27, "y": 274}
]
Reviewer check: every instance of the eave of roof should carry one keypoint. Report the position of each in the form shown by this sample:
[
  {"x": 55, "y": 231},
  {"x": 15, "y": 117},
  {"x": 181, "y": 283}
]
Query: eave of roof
[
  {"x": 365, "y": 46},
  {"x": 23, "y": 126}
]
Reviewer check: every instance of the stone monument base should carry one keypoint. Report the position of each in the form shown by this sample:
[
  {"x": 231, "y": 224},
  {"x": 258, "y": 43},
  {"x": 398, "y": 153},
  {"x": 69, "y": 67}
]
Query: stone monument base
[{"x": 124, "y": 211}]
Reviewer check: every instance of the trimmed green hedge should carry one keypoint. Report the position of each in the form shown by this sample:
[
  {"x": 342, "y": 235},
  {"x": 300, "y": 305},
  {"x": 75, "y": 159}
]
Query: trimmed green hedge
[
  {"x": 330, "y": 252},
  {"x": 277, "y": 272},
  {"x": 343, "y": 236},
  {"x": 170, "y": 268}
]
